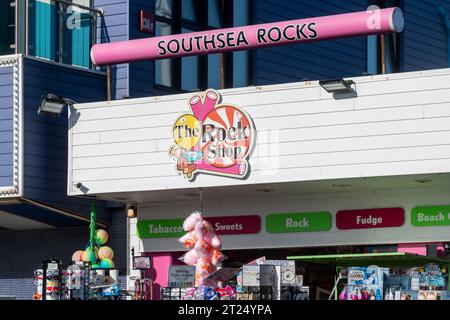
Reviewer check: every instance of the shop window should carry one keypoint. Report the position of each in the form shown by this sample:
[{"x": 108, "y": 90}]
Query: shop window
[
  {"x": 7, "y": 27},
  {"x": 209, "y": 71},
  {"x": 383, "y": 51}
]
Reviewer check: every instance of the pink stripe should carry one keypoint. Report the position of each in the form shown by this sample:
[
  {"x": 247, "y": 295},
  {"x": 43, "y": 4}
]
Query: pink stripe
[
  {"x": 328, "y": 27},
  {"x": 234, "y": 170},
  {"x": 209, "y": 104},
  {"x": 196, "y": 106}
]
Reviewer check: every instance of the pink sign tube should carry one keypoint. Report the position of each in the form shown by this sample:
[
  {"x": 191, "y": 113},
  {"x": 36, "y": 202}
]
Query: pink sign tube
[{"x": 371, "y": 22}]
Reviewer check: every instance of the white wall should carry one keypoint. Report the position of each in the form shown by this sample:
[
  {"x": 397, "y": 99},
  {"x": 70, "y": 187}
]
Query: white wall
[
  {"x": 397, "y": 125},
  {"x": 405, "y": 198}
]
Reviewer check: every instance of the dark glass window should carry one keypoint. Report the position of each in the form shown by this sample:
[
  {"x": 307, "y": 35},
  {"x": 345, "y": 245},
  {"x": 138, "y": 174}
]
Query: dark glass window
[
  {"x": 7, "y": 27},
  {"x": 164, "y": 8},
  {"x": 241, "y": 59},
  {"x": 208, "y": 71},
  {"x": 189, "y": 71},
  {"x": 163, "y": 72}
]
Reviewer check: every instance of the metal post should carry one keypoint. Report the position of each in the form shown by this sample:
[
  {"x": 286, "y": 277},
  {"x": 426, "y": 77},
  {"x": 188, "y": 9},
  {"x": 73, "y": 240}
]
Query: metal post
[
  {"x": 383, "y": 54},
  {"x": 61, "y": 33},
  {"x": 108, "y": 82}
]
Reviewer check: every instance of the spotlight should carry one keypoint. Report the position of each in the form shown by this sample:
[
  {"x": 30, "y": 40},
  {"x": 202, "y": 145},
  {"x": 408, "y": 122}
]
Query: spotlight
[
  {"x": 337, "y": 85},
  {"x": 131, "y": 212},
  {"x": 53, "y": 105}
]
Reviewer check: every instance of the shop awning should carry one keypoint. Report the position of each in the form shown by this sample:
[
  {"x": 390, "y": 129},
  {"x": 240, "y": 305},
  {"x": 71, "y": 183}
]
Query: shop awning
[{"x": 387, "y": 259}]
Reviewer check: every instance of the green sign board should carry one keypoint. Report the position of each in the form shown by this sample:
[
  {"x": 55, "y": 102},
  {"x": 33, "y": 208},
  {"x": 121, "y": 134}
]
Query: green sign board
[
  {"x": 160, "y": 228},
  {"x": 298, "y": 222},
  {"x": 433, "y": 216}
]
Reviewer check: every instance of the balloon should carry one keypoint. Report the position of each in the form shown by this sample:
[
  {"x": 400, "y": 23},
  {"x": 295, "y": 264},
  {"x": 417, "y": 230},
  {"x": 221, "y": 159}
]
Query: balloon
[
  {"x": 107, "y": 264},
  {"x": 89, "y": 255},
  {"x": 96, "y": 266},
  {"x": 191, "y": 221},
  {"x": 105, "y": 253},
  {"x": 101, "y": 237},
  {"x": 77, "y": 256}
]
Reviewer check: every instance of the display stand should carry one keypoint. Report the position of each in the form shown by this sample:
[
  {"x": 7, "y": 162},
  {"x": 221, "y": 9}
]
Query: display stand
[
  {"x": 144, "y": 285},
  {"x": 51, "y": 273},
  {"x": 396, "y": 260}
]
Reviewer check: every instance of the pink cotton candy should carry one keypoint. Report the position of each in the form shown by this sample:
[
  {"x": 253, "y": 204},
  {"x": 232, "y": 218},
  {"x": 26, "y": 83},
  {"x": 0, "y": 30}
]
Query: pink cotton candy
[
  {"x": 191, "y": 221},
  {"x": 190, "y": 257},
  {"x": 189, "y": 239}
]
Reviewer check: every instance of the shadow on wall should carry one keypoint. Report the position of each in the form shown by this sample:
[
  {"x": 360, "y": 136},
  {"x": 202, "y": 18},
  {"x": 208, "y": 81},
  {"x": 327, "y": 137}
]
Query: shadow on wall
[{"x": 105, "y": 38}]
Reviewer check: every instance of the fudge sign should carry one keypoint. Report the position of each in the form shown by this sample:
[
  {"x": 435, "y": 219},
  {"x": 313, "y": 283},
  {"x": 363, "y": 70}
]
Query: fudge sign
[{"x": 215, "y": 138}]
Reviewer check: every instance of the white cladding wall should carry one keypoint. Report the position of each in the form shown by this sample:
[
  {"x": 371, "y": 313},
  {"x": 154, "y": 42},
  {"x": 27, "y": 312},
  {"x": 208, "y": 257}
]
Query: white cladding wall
[
  {"x": 406, "y": 199},
  {"x": 398, "y": 125}
]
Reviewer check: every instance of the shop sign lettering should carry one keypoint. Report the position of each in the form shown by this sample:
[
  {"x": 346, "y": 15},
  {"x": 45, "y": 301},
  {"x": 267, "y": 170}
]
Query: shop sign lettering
[
  {"x": 370, "y": 218},
  {"x": 298, "y": 222},
  {"x": 430, "y": 216},
  {"x": 214, "y": 139},
  {"x": 172, "y": 228},
  {"x": 160, "y": 228}
]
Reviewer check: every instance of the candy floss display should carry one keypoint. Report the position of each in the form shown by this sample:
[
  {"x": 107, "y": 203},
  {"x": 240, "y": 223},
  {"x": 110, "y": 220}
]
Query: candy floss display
[{"x": 203, "y": 245}]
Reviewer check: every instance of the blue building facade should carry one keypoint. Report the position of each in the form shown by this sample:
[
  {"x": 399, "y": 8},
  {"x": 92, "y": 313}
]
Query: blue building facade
[{"x": 49, "y": 53}]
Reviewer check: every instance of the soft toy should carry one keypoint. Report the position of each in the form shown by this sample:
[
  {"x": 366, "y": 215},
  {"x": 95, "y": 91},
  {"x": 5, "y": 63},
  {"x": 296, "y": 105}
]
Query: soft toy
[{"x": 204, "y": 246}]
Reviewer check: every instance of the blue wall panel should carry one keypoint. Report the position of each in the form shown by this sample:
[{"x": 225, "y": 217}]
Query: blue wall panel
[
  {"x": 111, "y": 28},
  {"x": 425, "y": 41},
  {"x": 142, "y": 74},
  {"x": 6, "y": 126},
  {"x": 327, "y": 59},
  {"x": 45, "y": 138}
]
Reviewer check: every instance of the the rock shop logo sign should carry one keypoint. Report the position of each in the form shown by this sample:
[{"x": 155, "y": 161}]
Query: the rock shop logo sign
[{"x": 215, "y": 138}]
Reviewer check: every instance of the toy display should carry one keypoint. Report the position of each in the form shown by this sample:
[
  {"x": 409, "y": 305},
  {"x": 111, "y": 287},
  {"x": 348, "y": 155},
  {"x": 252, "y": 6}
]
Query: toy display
[
  {"x": 364, "y": 283},
  {"x": 201, "y": 293},
  {"x": 203, "y": 246},
  {"x": 96, "y": 253},
  {"x": 92, "y": 277},
  {"x": 432, "y": 277}
]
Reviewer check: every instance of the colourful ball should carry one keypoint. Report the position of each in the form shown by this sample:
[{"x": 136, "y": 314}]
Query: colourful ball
[
  {"x": 101, "y": 236},
  {"x": 105, "y": 253},
  {"x": 78, "y": 255},
  {"x": 89, "y": 255},
  {"x": 107, "y": 264},
  {"x": 96, "y": 266}
]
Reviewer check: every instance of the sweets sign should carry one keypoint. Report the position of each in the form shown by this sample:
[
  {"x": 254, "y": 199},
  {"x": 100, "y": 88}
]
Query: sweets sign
[{"x": 215, "y": 138}]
